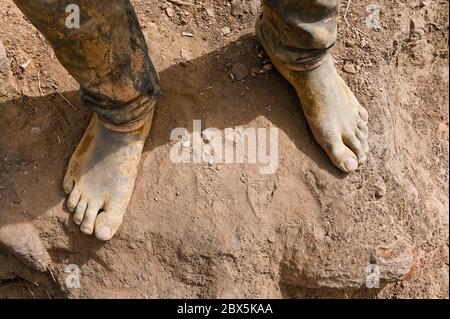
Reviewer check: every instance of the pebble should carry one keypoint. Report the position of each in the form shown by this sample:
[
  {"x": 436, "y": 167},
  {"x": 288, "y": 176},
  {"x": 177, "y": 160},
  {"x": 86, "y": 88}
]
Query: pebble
[
  {"x": 209, "y": 11},
  {"x": 349, "y": 68},
  {"x": 225, "y": 31},
  {"x": 35, "y": 130},
  {"x": 170, "y": 12},
  {"x": 186, "y": 55},
  {"x": 239, "y": 71},
  {"x": 236, "y": 8}
]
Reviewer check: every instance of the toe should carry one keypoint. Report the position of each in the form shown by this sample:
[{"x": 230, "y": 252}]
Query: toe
[
  {"x": 108, "y": 222},
  {"x": 342, "y": 156},
  {"x": 87, "y": 226},
  {"x": 362, "y": 136},
  {"x": 79, "y": 211},
  {"x": 363, "y": 114},
  {"x": 73, "y": 200},
  {"x": 363, "y": 128},
  {"x": 68, "y": 183},
  {"x": 355, "y": 145}
]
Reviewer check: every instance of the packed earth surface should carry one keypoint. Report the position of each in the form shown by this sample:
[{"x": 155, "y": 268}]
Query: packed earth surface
[{"x": 212, "y": 230}]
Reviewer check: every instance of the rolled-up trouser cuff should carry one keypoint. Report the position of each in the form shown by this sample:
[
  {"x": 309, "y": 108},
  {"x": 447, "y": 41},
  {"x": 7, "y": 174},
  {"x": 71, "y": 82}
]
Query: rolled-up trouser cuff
[
  {"x": 121, "y": 117},
  {"x": 292, "y": 58},
  {"x": 298, "y": 33}
]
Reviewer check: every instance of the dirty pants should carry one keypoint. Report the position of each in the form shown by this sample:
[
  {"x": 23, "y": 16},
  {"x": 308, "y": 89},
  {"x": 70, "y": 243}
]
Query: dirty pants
[{"x": 106, "y": 52}]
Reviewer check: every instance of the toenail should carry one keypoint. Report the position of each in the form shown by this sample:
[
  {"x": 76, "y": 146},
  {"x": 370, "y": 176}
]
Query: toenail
[
  {"x": 350, "y": 164},
  {"x": 362, "y": 158},
  {"x": 104, "y": 233}
]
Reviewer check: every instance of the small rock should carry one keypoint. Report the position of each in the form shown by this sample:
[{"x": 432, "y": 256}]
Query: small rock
[
  {"x": 209, "y": 11},
  {"x": 225, "y": 31},
  {"x": 170, "y": 12},
  {"x": 266, "y": 68},
  {"x": 153, "y": 28},
  {"x": 35, "y": 130},
  {"x": 239, "y": 71},
  {"x": 236, "y": 8},
  {"x": 254, "y": 6},
  {"x": 186, "y": 55},
  {"x": 349, "y": 68}
]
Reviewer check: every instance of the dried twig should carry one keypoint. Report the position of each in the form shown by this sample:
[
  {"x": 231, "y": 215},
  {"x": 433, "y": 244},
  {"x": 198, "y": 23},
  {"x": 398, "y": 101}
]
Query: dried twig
[
  {"x": 73, "y": 106},
  {"x": 346, "y": 11}
]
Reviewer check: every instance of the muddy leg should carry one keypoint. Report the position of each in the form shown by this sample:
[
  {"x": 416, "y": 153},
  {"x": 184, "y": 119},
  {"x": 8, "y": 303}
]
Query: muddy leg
[
  {"x": 297, "y": 35},
  {"x": 108, "y": 56}
]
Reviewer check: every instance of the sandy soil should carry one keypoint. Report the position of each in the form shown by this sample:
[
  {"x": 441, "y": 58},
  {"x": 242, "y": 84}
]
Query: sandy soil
[{"x": 223, "y": 230}]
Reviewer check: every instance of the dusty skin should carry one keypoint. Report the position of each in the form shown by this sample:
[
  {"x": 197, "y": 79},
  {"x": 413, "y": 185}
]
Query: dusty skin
[
  {"x": 101, "y": 175},
  {"x": 337, "y": 120}
]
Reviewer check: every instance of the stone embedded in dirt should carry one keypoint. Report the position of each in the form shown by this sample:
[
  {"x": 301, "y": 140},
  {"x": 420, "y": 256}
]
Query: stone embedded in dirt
[
  {"x": 225, "y": 31},
  {"x": 35, "y": 130},
  {"x": 239, "y": 71},
  {"x": 236, "y": 8},
  {"x": 170, "y": 12},
  {"x": 398, "y": 261},
  {"x": 349, "y": 68},
  {"x": 186, "y": 54},
  {"x": 266, "y": 68},
  {"x": 254, "y": 6},
  {"x": 22, "y": 241},
  {"x": 210, "y": 12}
]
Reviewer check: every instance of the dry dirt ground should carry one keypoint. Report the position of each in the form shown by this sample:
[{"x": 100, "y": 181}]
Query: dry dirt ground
[{"x": 200, "y": 230}]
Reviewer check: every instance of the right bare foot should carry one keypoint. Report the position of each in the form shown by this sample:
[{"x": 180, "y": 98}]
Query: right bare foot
[{"x": 101, "y": 175}]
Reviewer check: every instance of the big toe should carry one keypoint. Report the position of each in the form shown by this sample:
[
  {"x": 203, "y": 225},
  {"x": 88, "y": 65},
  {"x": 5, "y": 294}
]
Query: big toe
[
  {"x": 107, "y": 223},
  {"x": 342, "y": 157}
]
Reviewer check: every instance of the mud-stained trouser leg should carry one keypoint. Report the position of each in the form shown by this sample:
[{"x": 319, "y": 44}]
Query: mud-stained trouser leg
[
  {"x": 298, "y": 33},
  {"x": 107, "y": 54}
]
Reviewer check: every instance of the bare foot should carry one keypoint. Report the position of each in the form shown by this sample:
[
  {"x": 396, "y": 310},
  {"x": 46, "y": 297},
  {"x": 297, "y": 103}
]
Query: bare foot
[
  {"x": 337, "y": 120},
  {"x": 101, "y": 175}
]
